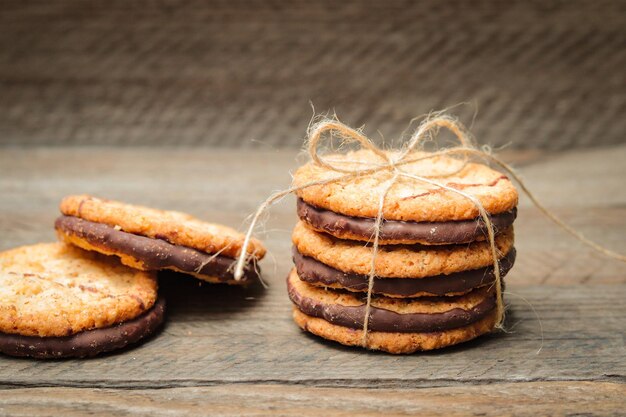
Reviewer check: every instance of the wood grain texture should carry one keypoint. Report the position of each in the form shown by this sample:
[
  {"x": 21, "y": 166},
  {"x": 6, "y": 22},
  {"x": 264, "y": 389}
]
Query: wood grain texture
[
  {"x": 511, "y": 399},
  {"x": 237, "y": 351},
  {"x": 223, "y": 335},
  {"x": 241, "y": 73}
]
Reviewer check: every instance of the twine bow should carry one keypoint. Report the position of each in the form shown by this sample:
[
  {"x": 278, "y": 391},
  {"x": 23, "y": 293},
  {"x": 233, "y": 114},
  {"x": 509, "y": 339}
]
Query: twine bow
[{"x": 393, "y": 163}]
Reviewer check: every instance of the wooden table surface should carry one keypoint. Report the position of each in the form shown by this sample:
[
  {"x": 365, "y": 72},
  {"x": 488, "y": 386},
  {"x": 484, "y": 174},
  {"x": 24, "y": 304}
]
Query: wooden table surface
[{"x": 229, "y": 351}]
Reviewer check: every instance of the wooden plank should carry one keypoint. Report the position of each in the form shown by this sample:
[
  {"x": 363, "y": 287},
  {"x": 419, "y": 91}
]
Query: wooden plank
[
  {"x": 519, "y": 399},
  {"x": 217, "y": 335},
  {"x": 226, "y": 349}
]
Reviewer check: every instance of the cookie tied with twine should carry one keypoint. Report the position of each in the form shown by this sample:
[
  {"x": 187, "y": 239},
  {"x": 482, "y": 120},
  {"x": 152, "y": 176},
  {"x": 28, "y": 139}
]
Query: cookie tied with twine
[{"x": 390, "y": 174}]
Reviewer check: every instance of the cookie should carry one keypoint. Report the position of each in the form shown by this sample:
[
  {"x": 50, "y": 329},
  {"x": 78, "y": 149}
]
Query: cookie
[
  {"x": 150, "y": 239},
  {"x": 395, "y": 325},
  {"x": 457, "y": 283},
  {"x": 87, "y": 343},
  {"x": 347, "y": 208},
  {"x": 396, "y": 343},
  {"x": 401, "y": 232},
  {"x": 150, "y": 254},
  {"x": 58, "y": 300},
  {"x": 397, "y": 261}
]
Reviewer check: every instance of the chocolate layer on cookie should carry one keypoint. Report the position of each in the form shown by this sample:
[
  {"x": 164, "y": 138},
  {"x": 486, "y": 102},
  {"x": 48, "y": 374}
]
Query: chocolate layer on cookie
[
  {"x": 396, "y": 231},
  {"x": 318, "y": 273},
  {"x": 382, "y": 319},
  {"x": 153, "y": 254},
  {"x": 86, "y": 343}
]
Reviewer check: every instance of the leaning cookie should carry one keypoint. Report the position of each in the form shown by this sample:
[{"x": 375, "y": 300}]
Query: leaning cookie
[
  {"x": 151, "y": 239},
  {"x": 59, "y": 301},
  {"x": 395, "y": 326},
  {"x": 414, "y": 211}
]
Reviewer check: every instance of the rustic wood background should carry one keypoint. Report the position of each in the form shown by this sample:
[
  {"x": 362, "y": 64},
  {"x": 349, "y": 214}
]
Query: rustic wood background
[{"x": 544, "y": 74}]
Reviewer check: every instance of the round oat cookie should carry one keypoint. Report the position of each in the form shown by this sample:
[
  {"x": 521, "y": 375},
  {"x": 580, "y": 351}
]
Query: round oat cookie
[
  {"x": 393, "y": 232},
  {"x": 414, "y": 315},
  {"x": 396, "y": 326},
  {"x": 174, "y": 227},
  {"x": 87, "y": 343},
  {"x": 148, "y": 254},
  {"x": 456, "y": 283},
  {"x": 396, "y": 343},
  {"x": 409, "y": 200},
  {"x": 413, "y": 261},
  {"x": 57, "y": 290}
]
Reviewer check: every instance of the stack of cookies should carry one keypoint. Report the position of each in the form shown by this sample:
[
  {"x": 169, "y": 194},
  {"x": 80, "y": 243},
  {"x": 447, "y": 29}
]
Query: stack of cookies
[
  {"x": 72, "y": 300},
  {"x": 434, "y": 274}
]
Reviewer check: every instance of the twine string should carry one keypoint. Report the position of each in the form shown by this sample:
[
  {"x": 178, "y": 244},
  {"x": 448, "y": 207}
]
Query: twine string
[
  {"x": 372, "y": 273},
  {"x": 569, "y": 229},
  {"x": 394, "y": 162}
]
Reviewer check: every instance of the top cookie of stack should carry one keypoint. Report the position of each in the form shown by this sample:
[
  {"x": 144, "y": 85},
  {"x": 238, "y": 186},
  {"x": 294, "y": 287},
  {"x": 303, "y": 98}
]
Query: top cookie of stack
[{"x": 434, "y": 268}]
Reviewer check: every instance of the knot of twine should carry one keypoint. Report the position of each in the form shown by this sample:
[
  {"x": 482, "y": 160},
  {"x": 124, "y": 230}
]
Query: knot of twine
[{"x": 393, "y": 162}]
